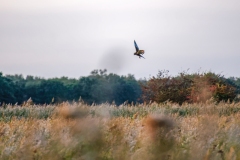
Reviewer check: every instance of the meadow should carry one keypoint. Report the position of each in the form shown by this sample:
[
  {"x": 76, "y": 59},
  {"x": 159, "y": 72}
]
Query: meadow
[{"x": 165, "y": 131}]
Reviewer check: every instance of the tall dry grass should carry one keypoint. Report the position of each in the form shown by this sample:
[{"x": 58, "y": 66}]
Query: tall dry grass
[{"x": 206, "y": 131}]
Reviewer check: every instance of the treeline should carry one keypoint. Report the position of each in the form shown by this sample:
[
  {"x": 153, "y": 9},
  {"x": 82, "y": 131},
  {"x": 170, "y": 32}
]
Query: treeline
[
  {"x": 190, "y": 88},
  {"x": 100, "y": 87}
]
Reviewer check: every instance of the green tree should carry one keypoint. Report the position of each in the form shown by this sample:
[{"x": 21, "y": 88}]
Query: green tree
[{"x": 6, "y": 90}]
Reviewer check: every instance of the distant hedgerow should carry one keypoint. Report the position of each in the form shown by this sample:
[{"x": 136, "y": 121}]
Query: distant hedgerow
[{"x": 192, "y": 88}]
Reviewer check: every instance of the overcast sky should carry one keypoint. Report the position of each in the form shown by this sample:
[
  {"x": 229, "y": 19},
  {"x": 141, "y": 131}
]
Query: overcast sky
[{"x": 54, "y": 38}]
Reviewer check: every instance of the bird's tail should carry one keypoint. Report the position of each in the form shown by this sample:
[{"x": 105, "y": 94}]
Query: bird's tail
[{"x": 141, "y": 56}]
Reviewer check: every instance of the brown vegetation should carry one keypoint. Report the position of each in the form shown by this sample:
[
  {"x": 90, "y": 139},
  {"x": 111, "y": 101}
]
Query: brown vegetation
[
  {"x": 189, "y": 88},
  {"x": 152, "y": 131}
]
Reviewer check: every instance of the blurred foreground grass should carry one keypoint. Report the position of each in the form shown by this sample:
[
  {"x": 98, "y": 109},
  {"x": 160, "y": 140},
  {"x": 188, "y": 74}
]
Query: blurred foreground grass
[{"x": 106, "y": 132}]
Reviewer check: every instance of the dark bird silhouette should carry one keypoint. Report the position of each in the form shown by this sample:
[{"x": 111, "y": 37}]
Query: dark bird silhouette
[{"x": 138, "y": 52}]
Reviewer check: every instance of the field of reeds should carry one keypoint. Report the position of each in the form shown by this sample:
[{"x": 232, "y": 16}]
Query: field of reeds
[{"x": 208, "y": 131}]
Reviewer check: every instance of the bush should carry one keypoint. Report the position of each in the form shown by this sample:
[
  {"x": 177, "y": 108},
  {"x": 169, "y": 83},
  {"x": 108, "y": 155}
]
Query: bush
[
  {"x": 164, "y": 87},
  {"x": 192, "y": 88}
]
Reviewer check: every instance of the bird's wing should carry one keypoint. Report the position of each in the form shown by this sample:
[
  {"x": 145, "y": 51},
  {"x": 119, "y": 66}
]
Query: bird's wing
[
  {"x": 141, "y": 56},
  {"x": 136, "y": 46}
]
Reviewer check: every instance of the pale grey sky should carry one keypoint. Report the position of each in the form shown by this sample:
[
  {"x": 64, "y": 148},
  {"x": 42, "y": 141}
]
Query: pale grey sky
[{"x": 54, "y": 38}]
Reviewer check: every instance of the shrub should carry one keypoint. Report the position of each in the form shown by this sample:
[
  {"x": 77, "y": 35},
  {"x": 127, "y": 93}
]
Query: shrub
[{"x": 192, "y": 88}]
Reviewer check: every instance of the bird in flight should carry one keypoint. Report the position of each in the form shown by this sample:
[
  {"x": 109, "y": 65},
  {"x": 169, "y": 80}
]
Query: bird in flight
[{"x": 138, "y": 52}]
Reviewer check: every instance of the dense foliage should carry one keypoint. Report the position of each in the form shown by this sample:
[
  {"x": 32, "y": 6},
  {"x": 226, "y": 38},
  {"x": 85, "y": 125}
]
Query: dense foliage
[
  {"x": 100, "y": 87},
  {"x": 197, "y": 87}
]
